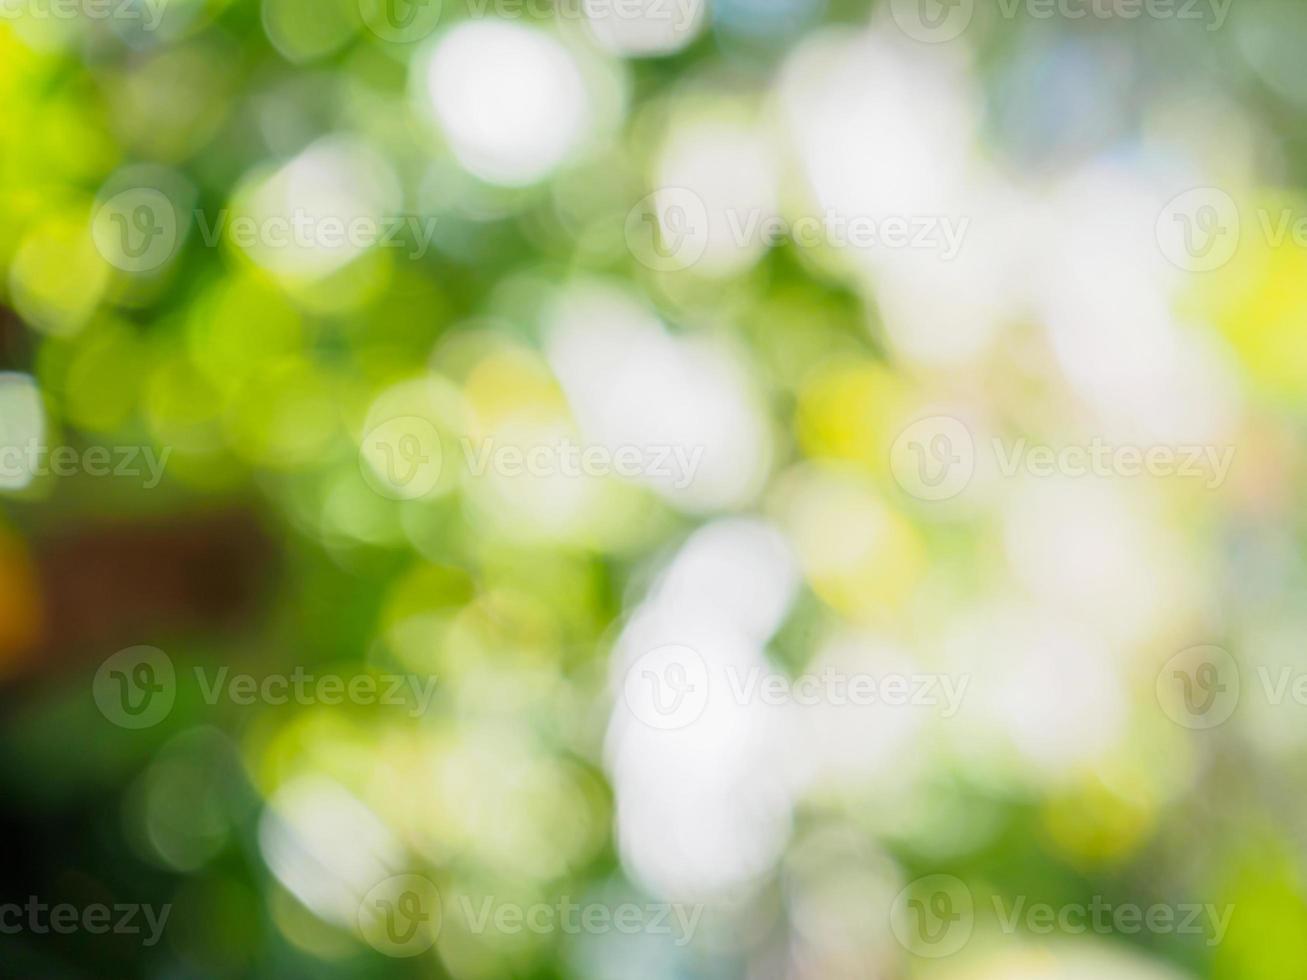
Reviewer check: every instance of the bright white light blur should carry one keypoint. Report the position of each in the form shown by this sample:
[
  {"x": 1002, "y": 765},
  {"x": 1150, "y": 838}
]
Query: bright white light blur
[
  {"x": 1047, "y": 687},
  {"x": 1091, "y": 549},
  {"x": 631, "y": 383},
  {"x": 945, "y": 302},
  {"x": 326, "y": 847},
  {"x": 730, "y": 164},
  {"x": 882, "y": 132},
  {"x": 879, "y": 128},
  {"x": 510, "y": 99},
  {"x": 22, "y": 424},
  {"x": 702, "y": 810},
  {"x": 743, "y": 571},
  {"x": 548, "y": 506},
  {"x": 837, "y": 746},
  {"x": 1103, "y": 291},
  {"x": 319, "y": 212}
]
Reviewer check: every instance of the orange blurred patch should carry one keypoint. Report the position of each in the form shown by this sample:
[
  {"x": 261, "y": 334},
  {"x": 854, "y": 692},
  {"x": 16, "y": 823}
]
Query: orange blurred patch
[{"x": 21, "y": 620}]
